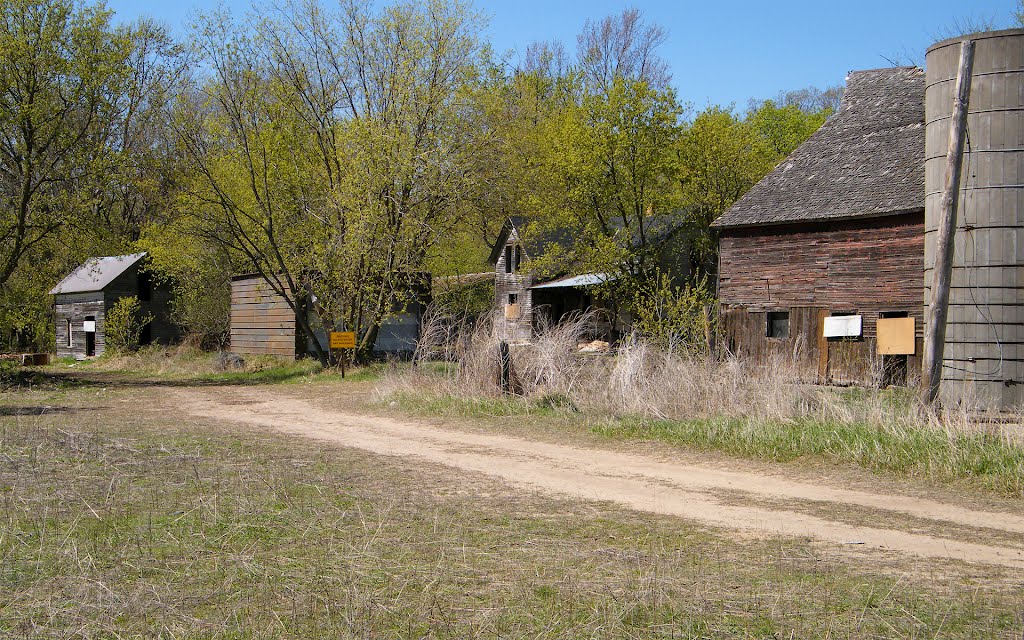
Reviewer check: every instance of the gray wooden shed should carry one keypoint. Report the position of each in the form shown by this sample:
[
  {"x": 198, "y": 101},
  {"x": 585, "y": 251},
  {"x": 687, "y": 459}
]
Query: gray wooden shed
[{"x": 85, "y": 296}]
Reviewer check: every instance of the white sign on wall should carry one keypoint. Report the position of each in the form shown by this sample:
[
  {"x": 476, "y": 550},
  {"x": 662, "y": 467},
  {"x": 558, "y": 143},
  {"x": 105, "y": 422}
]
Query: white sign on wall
[
  {"x": 89, "y": 326},
  {"x": 843, "y": 326}
]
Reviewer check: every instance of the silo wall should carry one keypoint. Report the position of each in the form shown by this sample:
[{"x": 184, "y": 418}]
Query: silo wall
[{"x": 983, "y": 361}]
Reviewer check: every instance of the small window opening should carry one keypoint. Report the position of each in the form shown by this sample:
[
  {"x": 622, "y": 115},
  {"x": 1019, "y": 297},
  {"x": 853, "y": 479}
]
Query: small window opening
[
  {"x": 145, "y": 286},
  {"x": 513, "y": 298},
  {"x": 508, "y": 258},
  {"x": 518, "y": 251},
  {"x": 71, "y": 340},
  {"x": 893, "y": 314},
  {"x": 778, "y": 324}
]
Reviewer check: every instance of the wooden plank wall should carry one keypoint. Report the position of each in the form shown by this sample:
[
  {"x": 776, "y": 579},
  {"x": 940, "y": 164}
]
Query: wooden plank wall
[
  {"x": 75, "y": 307},
  {"x": 866, "y": 267},
  {"x": 261, "y": 320}
]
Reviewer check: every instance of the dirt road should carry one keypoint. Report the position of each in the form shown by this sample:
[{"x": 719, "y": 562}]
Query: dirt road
[{"x": 729, "y": 500}]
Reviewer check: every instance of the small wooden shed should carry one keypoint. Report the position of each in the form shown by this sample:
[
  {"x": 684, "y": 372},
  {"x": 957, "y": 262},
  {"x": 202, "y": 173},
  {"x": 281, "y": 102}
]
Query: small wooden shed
[
  {"x": 822, "y": 261},
  {"x": 86, "y": 295}
]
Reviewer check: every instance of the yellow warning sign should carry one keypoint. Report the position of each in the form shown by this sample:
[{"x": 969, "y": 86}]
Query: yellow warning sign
[{"x": 343, "y": 340}]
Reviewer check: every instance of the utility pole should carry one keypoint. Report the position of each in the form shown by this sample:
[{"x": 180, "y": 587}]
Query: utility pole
[{"x": 938, "y": 309}]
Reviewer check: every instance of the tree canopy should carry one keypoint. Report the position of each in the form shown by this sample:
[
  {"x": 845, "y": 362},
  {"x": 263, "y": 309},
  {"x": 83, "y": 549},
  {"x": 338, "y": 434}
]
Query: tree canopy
[{"x": 347, "y": 153}]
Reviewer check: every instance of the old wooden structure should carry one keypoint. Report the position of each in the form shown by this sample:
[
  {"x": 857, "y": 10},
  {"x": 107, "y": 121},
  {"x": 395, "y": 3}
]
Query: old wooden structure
[
  {"x": 86, "y": 295},
  {"x": 821, "y": 262},
  {"x": 262, "y": 322},
  {"x": 525, "y": 302}
]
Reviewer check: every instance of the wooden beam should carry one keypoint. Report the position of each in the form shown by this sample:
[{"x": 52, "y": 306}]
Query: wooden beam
[{"x": 935, "y": 336}]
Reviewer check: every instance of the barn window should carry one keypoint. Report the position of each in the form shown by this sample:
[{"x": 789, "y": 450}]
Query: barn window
[
  {"x": 513, "y": 298},
  {"x": 777, "y": 325},
  {"x": 71, "y": 341},
  {"x": 513, "y": 258}
]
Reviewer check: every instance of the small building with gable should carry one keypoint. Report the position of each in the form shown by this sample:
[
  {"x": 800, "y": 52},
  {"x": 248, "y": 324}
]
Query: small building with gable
[
  {"x": 84, "y": 298},
  {"x": 526, "y": 302}
]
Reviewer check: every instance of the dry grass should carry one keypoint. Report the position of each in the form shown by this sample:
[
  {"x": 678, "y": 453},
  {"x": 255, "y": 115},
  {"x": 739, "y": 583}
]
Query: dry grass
[
  {"x": 118, "y": 523},
  {"x": 187, "y": 363},
  {"x": 728, "y": 405}
]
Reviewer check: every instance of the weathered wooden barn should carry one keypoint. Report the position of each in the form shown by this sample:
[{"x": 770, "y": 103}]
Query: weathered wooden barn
[
  {"x": 86, "y": 295},
  {"x": 262, "y": 322},
  {"x": 821, "y": 261}
]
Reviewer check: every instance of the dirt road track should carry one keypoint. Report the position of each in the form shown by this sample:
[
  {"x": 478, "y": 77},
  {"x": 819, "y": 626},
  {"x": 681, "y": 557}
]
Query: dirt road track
[{"x": 702, "y": 494}]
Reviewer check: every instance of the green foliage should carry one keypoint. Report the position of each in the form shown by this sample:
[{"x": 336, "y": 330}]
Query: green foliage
[
  {"x": 123, "y": 325},
  {"x": 84, "y": 164},
  {"x": 332, "y": 171},
  {"x": 609, "y": 156},
  {"x": 784, "y": 128},
  {"x": 722, "y": 155},
  {"x": 675, "y": 317},
  {"x": 200, "y": 276}
]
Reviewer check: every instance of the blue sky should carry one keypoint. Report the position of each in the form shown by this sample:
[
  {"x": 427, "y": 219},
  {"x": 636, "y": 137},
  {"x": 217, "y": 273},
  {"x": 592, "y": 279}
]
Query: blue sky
[{"x": 722, "y": 51}]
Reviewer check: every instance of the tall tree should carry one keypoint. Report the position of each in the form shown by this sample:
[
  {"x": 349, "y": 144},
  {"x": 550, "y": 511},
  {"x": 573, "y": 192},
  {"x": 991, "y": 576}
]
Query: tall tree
[
  {"x": 623, "y": 46},
  {"x": 63, "y": 69},
  {"x": 332, "y": 150}
]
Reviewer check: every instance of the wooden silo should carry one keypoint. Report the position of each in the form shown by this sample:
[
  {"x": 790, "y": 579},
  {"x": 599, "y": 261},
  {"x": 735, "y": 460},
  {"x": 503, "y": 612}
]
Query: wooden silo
[{"x": 983, "y": 359}]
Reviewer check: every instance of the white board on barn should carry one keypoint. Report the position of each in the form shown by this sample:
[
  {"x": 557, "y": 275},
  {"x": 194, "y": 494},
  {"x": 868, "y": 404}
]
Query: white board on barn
[
  {"x": 844, "y": 326},
  {"x": 89, "y": 326}
]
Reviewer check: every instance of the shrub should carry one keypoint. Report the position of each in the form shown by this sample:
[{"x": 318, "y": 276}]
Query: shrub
[
  {"x": 124, "y": 324},
  {"x": 675, "y": 318}
]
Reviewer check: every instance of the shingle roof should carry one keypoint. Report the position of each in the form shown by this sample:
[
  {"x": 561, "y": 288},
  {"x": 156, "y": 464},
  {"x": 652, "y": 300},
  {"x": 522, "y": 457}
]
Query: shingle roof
[
  {"x": 866, "y": 160},
  {"x": 96, "y": 273}
]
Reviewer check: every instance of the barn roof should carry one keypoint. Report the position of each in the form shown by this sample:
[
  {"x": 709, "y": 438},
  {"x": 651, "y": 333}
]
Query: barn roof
[
  {"x": 867, "y": 159},
  {"x": 96, "y": 273}
]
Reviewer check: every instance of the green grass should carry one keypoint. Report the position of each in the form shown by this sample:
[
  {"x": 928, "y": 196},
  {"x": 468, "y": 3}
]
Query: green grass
[
  {"x": 471, "y": 406},
  {"x": 116, "y": 523},
  {"x": 984, "y": 459}
]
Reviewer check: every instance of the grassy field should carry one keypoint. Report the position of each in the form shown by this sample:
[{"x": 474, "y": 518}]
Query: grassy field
[{"x": 118, "y": 519}]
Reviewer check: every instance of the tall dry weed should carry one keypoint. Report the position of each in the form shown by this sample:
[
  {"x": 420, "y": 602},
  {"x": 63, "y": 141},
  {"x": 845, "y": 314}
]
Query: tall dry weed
[{"x": 642, "y": 379}]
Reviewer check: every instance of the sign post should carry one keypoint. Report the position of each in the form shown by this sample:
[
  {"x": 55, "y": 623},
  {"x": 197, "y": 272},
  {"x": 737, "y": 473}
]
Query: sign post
[{"x": 343, "y": 340}]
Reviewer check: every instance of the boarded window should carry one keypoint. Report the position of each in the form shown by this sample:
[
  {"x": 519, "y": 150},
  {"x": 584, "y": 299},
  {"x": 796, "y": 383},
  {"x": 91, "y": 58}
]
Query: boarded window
[{"x": 777, "y": 324}]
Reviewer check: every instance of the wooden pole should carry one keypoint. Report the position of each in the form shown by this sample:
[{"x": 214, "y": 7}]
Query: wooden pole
[{"x": 938, "y": 309}]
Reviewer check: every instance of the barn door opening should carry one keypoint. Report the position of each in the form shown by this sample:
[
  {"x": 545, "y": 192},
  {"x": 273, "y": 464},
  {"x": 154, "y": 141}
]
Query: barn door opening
[{"x": 90, "y": 336}]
